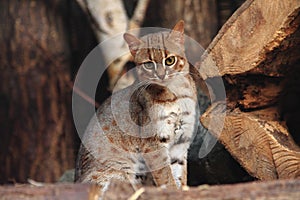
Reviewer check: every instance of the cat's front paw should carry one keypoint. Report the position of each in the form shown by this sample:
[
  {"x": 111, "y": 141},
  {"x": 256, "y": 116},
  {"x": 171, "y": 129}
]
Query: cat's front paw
[
  {"x": 179, "y": 132},
  {"x": 166, "y": 132}
]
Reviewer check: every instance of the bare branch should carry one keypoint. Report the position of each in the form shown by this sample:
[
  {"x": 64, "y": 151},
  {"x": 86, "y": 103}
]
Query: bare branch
[{"x": 108, "y": 18}]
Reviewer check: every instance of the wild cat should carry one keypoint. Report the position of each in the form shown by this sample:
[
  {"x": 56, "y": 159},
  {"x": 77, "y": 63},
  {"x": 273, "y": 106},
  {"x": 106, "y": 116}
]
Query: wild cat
[{"x": 141, "y": 134}]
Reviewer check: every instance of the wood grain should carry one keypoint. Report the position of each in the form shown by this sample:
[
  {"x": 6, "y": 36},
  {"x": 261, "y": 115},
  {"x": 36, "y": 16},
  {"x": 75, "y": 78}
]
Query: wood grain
[{"x": 263, "y": 147}]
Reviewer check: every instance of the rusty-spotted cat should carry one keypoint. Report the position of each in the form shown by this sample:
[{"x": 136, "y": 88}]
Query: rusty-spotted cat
[{"x": 145, "y": 141}]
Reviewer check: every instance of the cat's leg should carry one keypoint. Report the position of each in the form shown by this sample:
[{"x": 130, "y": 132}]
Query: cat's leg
[
  {"x": 178, "y": 154},
  {"x": 183, "y": 136},
  {"x": 184, "y": 174},
  {"x": 164, "y": 177},
  {"x": 158, "y": 163}
]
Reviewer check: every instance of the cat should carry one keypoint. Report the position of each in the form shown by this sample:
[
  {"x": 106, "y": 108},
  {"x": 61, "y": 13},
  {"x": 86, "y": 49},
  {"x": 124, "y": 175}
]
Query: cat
[{"x": 141, "y": 134}]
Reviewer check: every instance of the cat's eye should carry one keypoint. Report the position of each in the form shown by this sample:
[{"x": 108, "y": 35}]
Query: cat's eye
[
  {"x": 149, "y": 65},
  {"x": 170, "y": 61}
]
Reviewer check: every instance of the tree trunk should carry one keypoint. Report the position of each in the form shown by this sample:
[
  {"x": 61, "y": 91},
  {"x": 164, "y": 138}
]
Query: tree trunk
[{"x": 37, "y": 134}]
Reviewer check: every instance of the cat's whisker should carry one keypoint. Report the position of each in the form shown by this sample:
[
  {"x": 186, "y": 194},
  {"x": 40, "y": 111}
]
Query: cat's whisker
[
  {"x": 193, "y": 74},
  {"x": 153, "y": 79}
]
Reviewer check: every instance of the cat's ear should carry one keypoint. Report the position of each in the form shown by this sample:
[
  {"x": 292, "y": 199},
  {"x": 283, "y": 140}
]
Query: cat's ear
[
  {"x": 177, "y": 32},
  {"x": 132, "y": 42}
]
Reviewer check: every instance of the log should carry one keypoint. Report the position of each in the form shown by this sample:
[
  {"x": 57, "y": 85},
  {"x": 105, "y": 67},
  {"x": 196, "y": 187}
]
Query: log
[
  {"x": 281, "y": 189},
  {"x": 54, "y": 191},
  {"x": 256, "y": 54}
]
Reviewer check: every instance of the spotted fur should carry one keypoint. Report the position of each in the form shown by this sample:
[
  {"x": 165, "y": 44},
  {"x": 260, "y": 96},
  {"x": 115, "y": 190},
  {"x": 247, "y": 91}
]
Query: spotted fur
[{"x": 145, "y": 141}]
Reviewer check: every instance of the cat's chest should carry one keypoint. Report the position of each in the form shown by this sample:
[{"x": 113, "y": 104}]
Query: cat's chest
[
  {"x": 172, "y": 109},
  {"x": 179, "y": 99},
  {"x": 168, "y": 111}
]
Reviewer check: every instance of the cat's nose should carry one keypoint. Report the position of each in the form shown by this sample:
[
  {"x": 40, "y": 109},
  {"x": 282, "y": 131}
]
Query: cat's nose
[
  {"x": 161, "y": 72},
  {"x": 161, "y": 76}
]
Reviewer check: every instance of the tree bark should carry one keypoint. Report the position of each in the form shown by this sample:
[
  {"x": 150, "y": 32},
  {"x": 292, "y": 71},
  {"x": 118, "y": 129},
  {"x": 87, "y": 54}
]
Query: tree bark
[{"x": 36, "y": 127}]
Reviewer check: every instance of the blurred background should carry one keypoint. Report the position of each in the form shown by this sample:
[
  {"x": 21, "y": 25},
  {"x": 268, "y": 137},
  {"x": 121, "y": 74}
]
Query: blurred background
[{"x": 43, "y": 43}]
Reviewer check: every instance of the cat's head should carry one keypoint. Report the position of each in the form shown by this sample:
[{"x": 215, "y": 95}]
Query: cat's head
[{"x": 159, "y": 56}]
